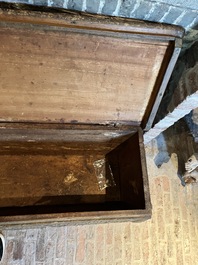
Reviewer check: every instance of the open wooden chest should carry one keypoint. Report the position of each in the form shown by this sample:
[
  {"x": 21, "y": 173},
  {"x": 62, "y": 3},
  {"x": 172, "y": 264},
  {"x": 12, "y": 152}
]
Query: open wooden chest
[{"x": 76, "y": 92}]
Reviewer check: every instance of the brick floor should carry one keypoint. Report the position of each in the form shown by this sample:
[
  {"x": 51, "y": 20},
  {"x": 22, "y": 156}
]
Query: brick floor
[{"x": 170, "y": 237}]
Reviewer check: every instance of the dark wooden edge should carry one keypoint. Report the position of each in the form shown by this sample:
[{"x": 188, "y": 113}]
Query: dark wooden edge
[
  {"x": 172, "y": 53},
  {"x": 79, "y": 218},
  {"x": 148, "y": 204},
  {"x": 22, "y": 13},
  {"x": 65, "y": 126}
]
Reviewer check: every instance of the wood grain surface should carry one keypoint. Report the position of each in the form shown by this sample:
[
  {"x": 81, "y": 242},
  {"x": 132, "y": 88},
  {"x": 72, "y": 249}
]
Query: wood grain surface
[{"x": 63, "y": 76}]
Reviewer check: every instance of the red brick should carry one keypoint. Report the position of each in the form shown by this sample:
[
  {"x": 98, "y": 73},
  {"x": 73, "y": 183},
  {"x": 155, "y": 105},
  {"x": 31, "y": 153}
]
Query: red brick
[
  {"x": 31, "y": 234},
  {"x": 51, "y": 233},
  {"x": 160, "y": 224},
  {"x": 159, "y": 192},
  {"x": 137, "y": 250},
  {"x": 109, "y": 234},
  {"x": 170, "y": 242},
  {"x": 90, "y": 253},
  {"x": 40, "y": 245},
  {"x": 188, "y": 260},
  {"x": 50, "y": 251},
  {"x": 194, "y": 252},
  {"x": 183, "y": 207},
  {"x": 162, "y": 257},
  {"x": 179, "y": 254},
  {"x": 90, "y": 232},
  {"x": 178, "y": 228},
  {"x": 71, "y": 233},
  {"x": 18, "y": 249},
  {"x": 186, "y": 245},
  {"x": 117, "y": 241},
  {"x": 128, "y": 255},
  {"x": 192, "y": 227},
  {"x": 70, "y": 252},
  {"x": 80, "y": 252},
  {"x": 59, "y": 262},
  {"x": 145, "y": 232},
  {"x": 61, "y": 242},
  {"x": 127, "y": 233},
  {"x": 9, "y": 250},
  {"x": 118, "y": 262},
  {"x": 166, "y": 184},
  {"x": 99, "y": 243},
  {"x": 154, "y": 244},
  {"x": 168, "y": 211},
  {"x": 109, "y": 254},
  {"x": 175, "y": 187},
  {"x": 29, "y": 248},
  {"x": 146, "y": 251},
  {"x": 16, "y": 234}
]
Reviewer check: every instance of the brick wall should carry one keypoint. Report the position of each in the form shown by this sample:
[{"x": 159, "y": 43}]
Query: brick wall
[{"x": 181, "y": 95}]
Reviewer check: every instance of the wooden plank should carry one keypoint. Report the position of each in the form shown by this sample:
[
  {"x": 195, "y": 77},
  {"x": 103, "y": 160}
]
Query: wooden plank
[
  {"x": 45, "y": 179},
  {"x": 58, "y": 76}
]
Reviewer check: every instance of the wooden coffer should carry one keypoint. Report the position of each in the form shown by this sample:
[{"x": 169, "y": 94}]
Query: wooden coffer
[{"x": 76, "y": 92}]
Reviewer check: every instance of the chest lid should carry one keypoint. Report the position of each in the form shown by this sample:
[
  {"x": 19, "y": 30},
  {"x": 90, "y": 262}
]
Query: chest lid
[{"x": 69, "y": 67}]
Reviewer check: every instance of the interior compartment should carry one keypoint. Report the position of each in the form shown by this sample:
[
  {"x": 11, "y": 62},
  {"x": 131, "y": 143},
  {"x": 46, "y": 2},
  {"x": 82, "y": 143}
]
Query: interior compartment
[{"x": 50, "y": 168}]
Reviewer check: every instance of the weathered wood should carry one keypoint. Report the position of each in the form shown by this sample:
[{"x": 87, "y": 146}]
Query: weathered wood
[
  {"x": 74, "y": 89},
  {"x": 68, "y": 187},
  {"x": 108, "y": 70},
  {"x": 61, "y": 76}
]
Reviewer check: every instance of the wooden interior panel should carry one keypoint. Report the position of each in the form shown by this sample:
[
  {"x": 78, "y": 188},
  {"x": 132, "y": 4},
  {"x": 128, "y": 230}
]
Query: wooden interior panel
[
  {"x": 49, "y": 75},
  {"x": 49, "y": 175}
]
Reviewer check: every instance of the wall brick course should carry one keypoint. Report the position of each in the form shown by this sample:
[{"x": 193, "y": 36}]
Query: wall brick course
[
  {"x": 59, "y": 262},
  {"x": 117, "y": 242},
  {"x": 168, "y": 214},
  {"x": 40, "y": 2},
  {"x": 126, "y": 8},
  {"x": 142, "y": 10},
  {"x": 188, "y": 18},
  {"x": 80, "y": 251},
  {"x": 179, "y": 254},
  {"x": 61, "y": 243},
  {"x": 109, "y": 7},
  {"x": 137, "y": 253},
  {"x": 109, "y": 234},
  {"x": 29, "y": 248},
  {"x": 75, "y": 5},
  {"x": 90, "y": 253},
  {"x": 171, "y": 252},
  {"x": 40, "y": 247},
  {"x": 99, "y": 244},
  {"x": 172, "y": 15},
  {"x": 92, "y": 6},
  {"x": 58, "y": 3},
  {"x": 127, "y": 255},
  {"x": 158, "y": 11},
  {"x": 70, "y": 252}
]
